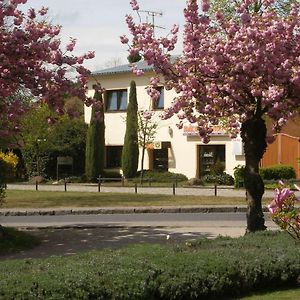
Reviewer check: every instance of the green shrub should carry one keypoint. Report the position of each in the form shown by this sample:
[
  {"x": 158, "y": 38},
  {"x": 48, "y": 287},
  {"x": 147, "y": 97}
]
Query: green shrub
[
  {"x": 223, "y": 179},
  {"x": 162, "y": 176},
  {"x": 130, "y": 151},
  {"x": 277, "y": 172},
  {"x": 95, "y": 142},
  {"x": 239, "y": 174},
  {"x": 204, "y": 269},
  {"x": 217, "y": 168},
  {"x": 111, "y": 174}
]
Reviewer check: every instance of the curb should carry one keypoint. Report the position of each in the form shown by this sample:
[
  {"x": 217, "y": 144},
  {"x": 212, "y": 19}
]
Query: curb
[{"x": 132, "y": 210}]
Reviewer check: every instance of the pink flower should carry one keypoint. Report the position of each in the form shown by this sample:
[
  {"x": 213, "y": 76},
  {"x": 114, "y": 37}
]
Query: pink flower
[{"x": 124, "y": 39}]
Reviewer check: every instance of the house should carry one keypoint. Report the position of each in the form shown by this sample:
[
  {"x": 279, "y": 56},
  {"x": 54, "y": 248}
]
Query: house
[{"x": 175, "y": 150}]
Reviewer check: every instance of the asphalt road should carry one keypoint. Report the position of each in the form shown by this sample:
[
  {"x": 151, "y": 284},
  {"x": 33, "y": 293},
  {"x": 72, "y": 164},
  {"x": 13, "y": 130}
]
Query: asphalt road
[{"x": 214, "y": 222}]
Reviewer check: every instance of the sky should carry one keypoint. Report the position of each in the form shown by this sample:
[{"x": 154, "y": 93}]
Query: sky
[{"x": 98, "y": 24}]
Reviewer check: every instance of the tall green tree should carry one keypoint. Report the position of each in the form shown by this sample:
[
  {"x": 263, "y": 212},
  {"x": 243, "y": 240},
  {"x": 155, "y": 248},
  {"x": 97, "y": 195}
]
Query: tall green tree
[
  {"x": 130, "y": 153},
  {"x": 41, "y": 143},
  {"x": 95, "y": 142}
]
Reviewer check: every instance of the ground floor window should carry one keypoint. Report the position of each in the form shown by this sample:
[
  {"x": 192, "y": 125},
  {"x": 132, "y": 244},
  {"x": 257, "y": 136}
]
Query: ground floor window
[
  {"x": 211, "y": 159},
  {"x": 113, "y": 156},
  {"x": 160, "y": 159}
]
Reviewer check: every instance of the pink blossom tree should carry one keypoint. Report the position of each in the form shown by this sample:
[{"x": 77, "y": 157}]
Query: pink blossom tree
[
  {"x": 33, "y": 64},
  {"x": 238, "y": 69}
]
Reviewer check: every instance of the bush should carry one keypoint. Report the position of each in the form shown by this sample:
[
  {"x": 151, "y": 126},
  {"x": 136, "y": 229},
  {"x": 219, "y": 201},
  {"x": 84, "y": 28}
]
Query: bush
[
  {"x": 204, "y": 269},
  {"x": 239, "y": 173},
  {"x": 162, "y": 176},
  {"x": 277, "y": 172},
  {"x": 112, "y": 174},
  {"x": 223, "y": 179},
  {"x": 8, "y": 165}
]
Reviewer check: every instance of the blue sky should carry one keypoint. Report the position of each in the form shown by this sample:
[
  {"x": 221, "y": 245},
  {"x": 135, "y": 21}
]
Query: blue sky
[{"x": 97, "y": 24}]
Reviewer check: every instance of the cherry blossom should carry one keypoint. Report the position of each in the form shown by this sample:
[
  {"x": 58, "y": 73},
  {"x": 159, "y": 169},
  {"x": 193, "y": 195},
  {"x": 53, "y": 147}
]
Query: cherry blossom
[
  {"x": 32, "y": 63},
  {"x": 241, "y": 70}
]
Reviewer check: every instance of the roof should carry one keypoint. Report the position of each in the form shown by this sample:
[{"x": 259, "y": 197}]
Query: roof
[{"x": 142, "y": 65}]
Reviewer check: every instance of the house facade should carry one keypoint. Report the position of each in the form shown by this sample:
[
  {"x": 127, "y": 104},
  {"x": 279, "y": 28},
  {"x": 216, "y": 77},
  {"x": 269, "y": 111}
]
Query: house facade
[{"x": 173, "y": 149}]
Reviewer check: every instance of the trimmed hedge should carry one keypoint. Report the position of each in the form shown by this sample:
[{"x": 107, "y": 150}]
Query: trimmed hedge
[
  {"x": 277, "y": 172},
  {"x": 162, "y": 176},
  {"x": 205, "y": 269}
]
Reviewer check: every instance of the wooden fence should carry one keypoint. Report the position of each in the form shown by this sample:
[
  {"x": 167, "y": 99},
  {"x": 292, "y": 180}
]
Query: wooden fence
[{"x": 285, "y": 151}]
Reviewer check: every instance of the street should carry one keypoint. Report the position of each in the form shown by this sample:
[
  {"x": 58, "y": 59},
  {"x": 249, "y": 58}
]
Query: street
[{"x": 232, "y": 224}]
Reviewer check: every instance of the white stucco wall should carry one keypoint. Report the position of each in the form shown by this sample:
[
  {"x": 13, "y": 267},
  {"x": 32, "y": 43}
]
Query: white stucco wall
[{"x": 183, "y": 154}]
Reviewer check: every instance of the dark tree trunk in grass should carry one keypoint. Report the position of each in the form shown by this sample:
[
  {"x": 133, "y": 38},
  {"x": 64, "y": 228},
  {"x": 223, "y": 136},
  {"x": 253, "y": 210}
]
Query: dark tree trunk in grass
[
  {"x": 95, "y": 142},
  {"x": 130, "y": 153},
  {"x": 253, "y": 133}
]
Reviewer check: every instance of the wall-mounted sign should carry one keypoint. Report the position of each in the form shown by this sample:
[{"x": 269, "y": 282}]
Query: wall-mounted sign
[{"x": 191, "y": 130}]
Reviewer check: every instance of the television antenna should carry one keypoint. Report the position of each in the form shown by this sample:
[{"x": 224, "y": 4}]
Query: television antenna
[{"x": 152, "y": 15}]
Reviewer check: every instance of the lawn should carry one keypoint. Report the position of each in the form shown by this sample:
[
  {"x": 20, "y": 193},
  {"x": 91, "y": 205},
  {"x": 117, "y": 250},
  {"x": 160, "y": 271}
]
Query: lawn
[{"x": 45, "y": 199}]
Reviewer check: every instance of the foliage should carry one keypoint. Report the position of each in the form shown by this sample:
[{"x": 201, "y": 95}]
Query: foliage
[
  {"x": 146, "y": 133},
  {"x": 26, "y": 68},
  {"x": 283, "y": 210},
  {"x": 95, "y": 141},
  {"x": 234, "y": 73},
  {"x": 277, "y": 172},
  {"x": 130, "y": 152},
  {"x": 217, "y": 168},
  {"x": 282, "y": 7},
  {"x": 41, "y": 143},
  {"x": 163, "y": 176},
  {"x": 239, "y": 174},
  {"x": 222, "y": 179},
  {"x": 68, "y": 138},
  {"x": 8, "y": 165},
  {"x": 203, "y": 269},
  {"x": 112, "y": 174}
]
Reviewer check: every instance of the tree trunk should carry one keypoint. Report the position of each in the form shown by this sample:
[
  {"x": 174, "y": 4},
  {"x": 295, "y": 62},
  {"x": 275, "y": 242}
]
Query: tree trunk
[
  {"x": 253, "y": 133},
  {"x": 142, "y": 165}
]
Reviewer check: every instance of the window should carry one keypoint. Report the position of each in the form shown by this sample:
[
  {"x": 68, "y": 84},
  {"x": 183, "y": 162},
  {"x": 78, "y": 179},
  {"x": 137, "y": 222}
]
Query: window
[
  {"x": 159, "y": 103},
  {"x": 116, "y": 100},
  {"x": 113, "y": 156},
  {"x": 212, "y": 159},
  {"x": 160, "y": 159}
]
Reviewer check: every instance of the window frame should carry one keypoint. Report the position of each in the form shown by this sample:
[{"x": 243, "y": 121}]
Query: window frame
[
  {"x": 155, "y": 103},
  {"x": 118, "y": 99}
]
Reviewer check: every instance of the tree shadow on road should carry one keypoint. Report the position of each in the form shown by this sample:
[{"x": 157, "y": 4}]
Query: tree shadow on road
[{"x": 70, "y": 241}]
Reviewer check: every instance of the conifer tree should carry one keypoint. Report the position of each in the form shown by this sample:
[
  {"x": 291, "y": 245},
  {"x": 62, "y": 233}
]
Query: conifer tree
[
  {"x": 130, "y": 153},
  {"x": 95, "y": 142}
]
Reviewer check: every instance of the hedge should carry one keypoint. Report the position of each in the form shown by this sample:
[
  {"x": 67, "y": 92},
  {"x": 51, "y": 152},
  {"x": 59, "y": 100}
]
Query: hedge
[
  {"x": 277, "y": 172},
  {"x": 205, "y": 269}
]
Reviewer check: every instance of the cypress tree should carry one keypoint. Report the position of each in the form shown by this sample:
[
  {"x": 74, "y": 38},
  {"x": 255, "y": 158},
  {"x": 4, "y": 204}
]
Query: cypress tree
[
  {"x": 130, "y": 153},
  {"x": 95, "y": 141}
]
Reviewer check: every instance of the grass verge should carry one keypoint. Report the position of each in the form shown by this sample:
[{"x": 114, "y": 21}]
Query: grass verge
[
  {"x": 290, "y": 294},
  {"x": 15, "y": 241},
  {"x": 204, "y": 269},
  {"x": 44, "y": 199}
]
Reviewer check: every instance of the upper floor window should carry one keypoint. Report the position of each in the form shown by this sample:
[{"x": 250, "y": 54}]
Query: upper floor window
[
  {"x": 159, "y": 103},
  {"x": 116, "y": 100}
]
